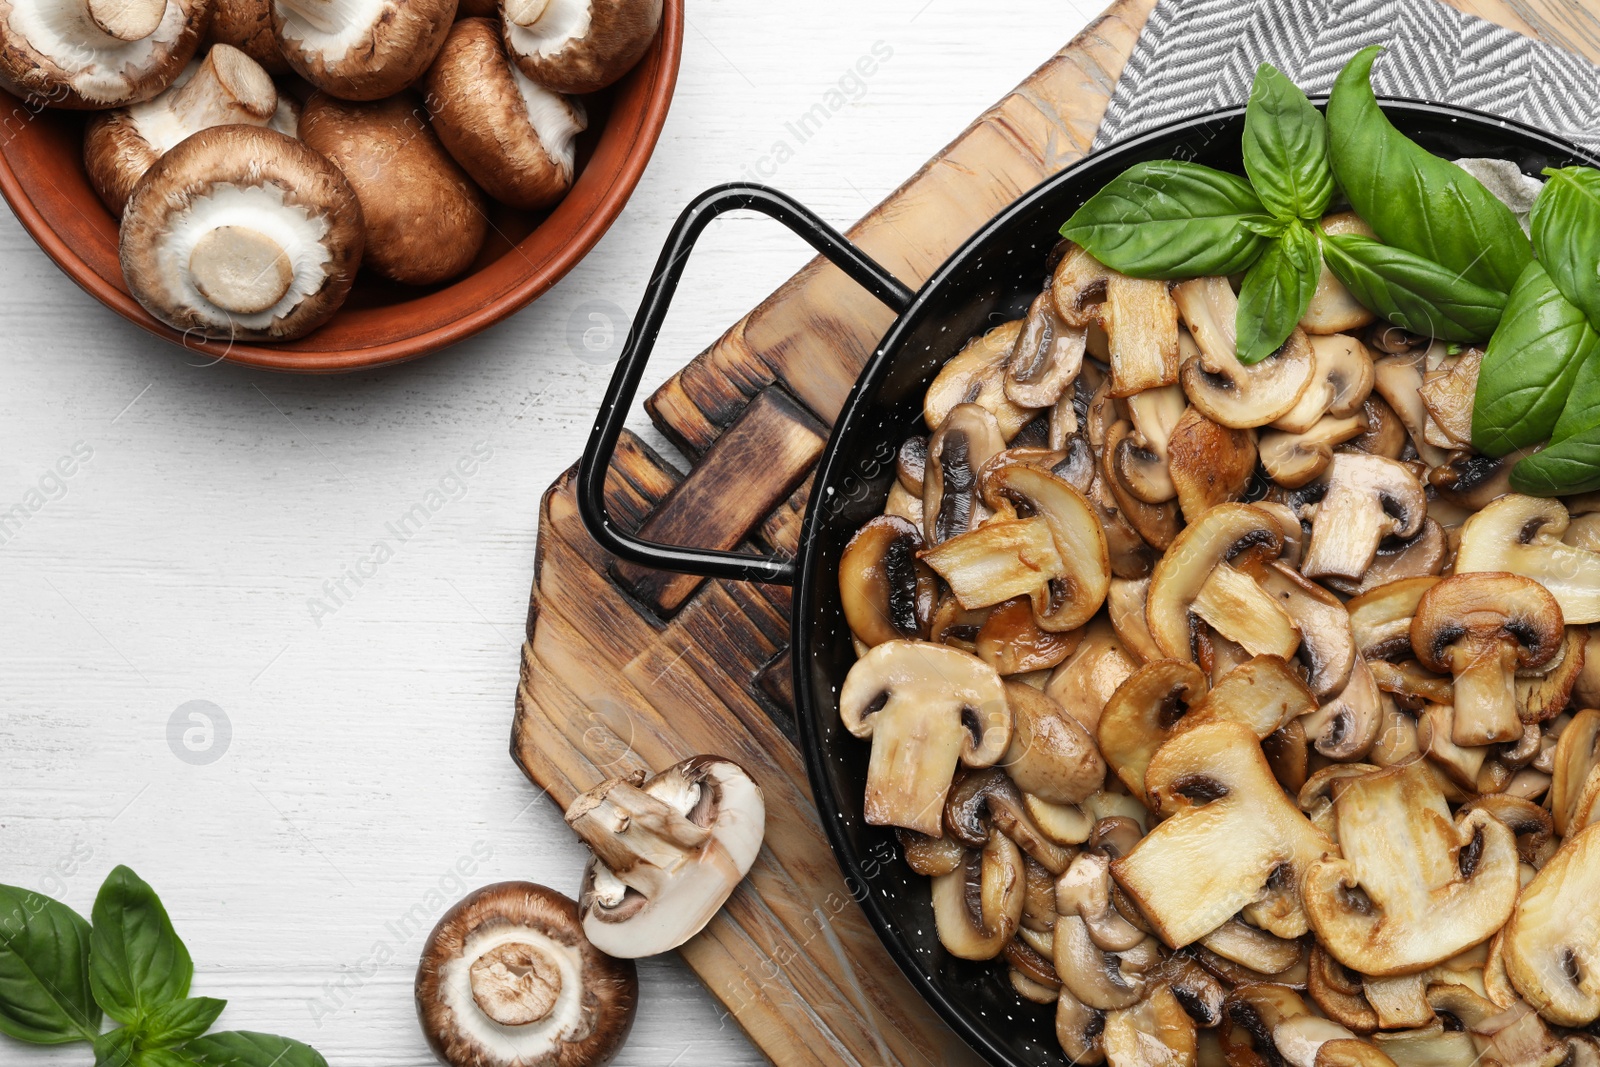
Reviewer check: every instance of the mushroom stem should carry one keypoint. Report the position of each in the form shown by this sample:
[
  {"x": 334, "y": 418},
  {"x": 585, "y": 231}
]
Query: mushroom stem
[
  {"x": 515, "y": 984},
  {"x": 325, "y": 16},
  {"x": 127, "y": 20},
  {"x": 240, "y": 270},
  {"x": 228, "y": 87},
  {"x": 1486, "y": 695},
  {"x": 526, "y": 13},
  {"x": 909, "y": 772},
  {"x": 642, "y": 839}
]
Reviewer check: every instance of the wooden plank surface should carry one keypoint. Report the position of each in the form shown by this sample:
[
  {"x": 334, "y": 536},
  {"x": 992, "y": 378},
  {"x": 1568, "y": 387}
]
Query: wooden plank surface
[{"x": 626, "y": 668}]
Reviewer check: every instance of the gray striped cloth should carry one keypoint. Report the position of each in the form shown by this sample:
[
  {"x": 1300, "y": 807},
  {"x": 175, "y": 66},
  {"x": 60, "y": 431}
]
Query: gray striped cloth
[{"x": 1198, "y": 55}]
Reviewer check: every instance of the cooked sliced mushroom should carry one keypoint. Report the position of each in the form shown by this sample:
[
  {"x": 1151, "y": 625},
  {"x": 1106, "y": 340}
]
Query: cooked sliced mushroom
[
  {"x": 987, "y": 800},
  {"x": 1482, "y": 628},
  {"x": 1100, "y": 979},
  {"x": 1139, "y": 458},
  {"x": 1522, "y": 534},
  {"x": 1474, "y": 481},
  {"x": 965, "y": 438},
  {"x": 1156, "y": 524},
  {"x": 1189, "y": 564},
  {"x": 1419, "y": 556},
  {"x": 977, "y": 907},
  {"x": 1208, "y": 464},
  {"x": 1575, "y": 774},
  {"x": 1380, "y": 619},
  {"x": 1294, "y": 459},
  {"x": 1156, "y": 1032},
  {"x": 1411, "y": 685},
  {"x": 1225, "y": 390},
  {"x": 1515, "y": 1035},
  {"x": 1447, "y": 393},
  {"x": 1141, "y": 324},
  {"x": 1011, "y": 641},
  {"x": 1435, "y": 732},
  {"x": 1544, "y": 692},
  {"x": 1080, "y": 1030},
  {"x": 887, "y": 593},
  {"x": 1084, "y": 683},
  {"x": 1051, "y": 755},
  {"x": 1366, "y": 499},
  {"x": 1046, "y": 358},
  {"x": 976, "y": 375},
  {"x": 930, "y": 856},
  {"x": 1531, "y": 824},
  {"x": 1550, "y": 950},
  {"x": 1386, "y": 434},
  {"x": 1347, "y": 726},
  {"x": 1340, "y": 383},
  {"x": 1414, "y": 887},
  {"x": 667, "y": 852},
  {"x": 904, "y": 505},
  {"x": 1254, "y": 948},
  {"x": 1065, "y": 824},
  {"x": 1078, "y": 286},
  {"x": 1084, "y": 890},
  {"x": 1332, "y": 308},
  {"x": 1073, "y": 593},
  {"x": 1125, "y": 605},
  {"x": 1327, "y": 647},
  {"x": 1221, "y": 801},
  {"x": 508, "y": 979},
  {"x": 999, "y": 560},
  {"x": 1431, "y": 1046},
  {"x": 1398, "y": 379},
  {"x": 926, "y": 708},
  {"x": 1339, "y": 992}
]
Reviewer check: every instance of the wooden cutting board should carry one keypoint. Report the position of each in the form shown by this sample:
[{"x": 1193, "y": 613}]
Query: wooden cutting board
[{"x": 627, "y": 669}]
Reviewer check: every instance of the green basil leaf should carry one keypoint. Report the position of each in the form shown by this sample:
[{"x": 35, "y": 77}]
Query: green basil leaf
[
  {"x": 117, "y": 1048},
  {"x": 1566, "y": 231},
  {"x": 1529, "y": 366},
  {"x": 1286, "y": 147},
  {"x": 1414, "y": 293},
  {"x": 137, "y": 961},
  {"x": 1411, "y": 198},
  {"x": 164, "y": 1057},
  {"x": 1572, "y": 462},
  {"x": 1169, "y": 219},
  {"x": 1276, "y": 293},
  {"x": 178, "y": 1021},
  {"x": 45, "y": 997},
  {"x": 239, "y": 1048}
]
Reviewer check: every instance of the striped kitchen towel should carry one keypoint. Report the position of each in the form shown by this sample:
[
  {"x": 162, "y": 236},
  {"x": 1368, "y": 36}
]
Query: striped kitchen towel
[{"x": 1198, "y": 55}]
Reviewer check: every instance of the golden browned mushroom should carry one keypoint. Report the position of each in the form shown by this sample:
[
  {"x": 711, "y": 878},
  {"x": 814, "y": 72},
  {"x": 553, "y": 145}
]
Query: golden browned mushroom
[
  {"x": 1226, "y": 391},
  {"x": 1522, "y": 534},
  {"x": 887, "y": 593},
  {"x": 1551, "y": 953}
]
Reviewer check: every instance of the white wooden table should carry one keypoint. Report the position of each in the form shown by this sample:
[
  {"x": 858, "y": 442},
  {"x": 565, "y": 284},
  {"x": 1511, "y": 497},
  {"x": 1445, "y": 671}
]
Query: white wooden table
[{"x": 202, "y": 547}]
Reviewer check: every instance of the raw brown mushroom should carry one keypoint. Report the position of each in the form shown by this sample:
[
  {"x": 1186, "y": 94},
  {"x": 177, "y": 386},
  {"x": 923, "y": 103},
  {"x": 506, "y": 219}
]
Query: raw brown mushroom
[
  {"x": 668, "y": 851},
  {"x": 1482, "y": 628},
  {"x": 361, "y": 49},
  {"x": 247, "y": 26},
  {"x": 241, "y": 232},
  {"x": 508, "y": 979},
  {"x": 578, "y": 46},
  {"x": 425, "y": 220},
  {"x": 517, "y": 139},
  {"x": 92, "y": 54}
]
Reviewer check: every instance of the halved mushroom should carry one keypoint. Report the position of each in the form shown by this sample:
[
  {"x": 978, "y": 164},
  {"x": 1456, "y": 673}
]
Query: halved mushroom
[
  {"x": 1195, "y": 557},
  {"x": 1221, "y": 801},
  {"x": 965, "y": 439},
  {"x": 1294, "y": 459},
  {"x": 515, "y": 137},
  {"x": 1482, "y": 628},
  {"x": 1364, "y": 499},
  {"x": 1051, "y": 755},
  {"x": 976, "y": 375},
  {"x": 1072, "y": 594},
  {"x": 1156, "y": 1032},
  {"x": 508, "y": 979},
  {"x": 978, "y": 906},
  {"x": 1141, "y": 324},
  {"x": 224, "y": 89},
  {"x": 1380, "y": 619},
  {"x": 1332, "y": 308},
  {"x": 887, "y": 593},
  {"x": 668, "y": 851},
  {"x": 1208, "y": 464},
  {"x": 1447, "y": 394},
  {"x": 1522, "y": 534},
  {"x": 1046, "y": 359},
  {"x": 1551, "y": 953},
  {"x": 579, "y": 46},
  {"x": 926, "y": 708},
  {"x": 1414, "y": 887},
  {"x": 1225, "y": 390},
  {"x": 1340, "y": 383},
  {"x": 91, "y": 54},
  {"x": 242, "y": 233},
  {"x": 1575, "y": 774}
]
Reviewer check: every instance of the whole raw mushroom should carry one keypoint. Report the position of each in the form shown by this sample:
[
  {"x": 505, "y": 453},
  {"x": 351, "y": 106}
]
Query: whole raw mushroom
[
  {"x": 578, "y": 46},
  {"x": 91, "y": 54},
  {"x": 361, "y": 49}
]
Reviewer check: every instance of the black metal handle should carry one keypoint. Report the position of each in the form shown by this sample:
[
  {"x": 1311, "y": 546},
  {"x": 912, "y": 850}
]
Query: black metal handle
[{"x": 706, "y": 562}]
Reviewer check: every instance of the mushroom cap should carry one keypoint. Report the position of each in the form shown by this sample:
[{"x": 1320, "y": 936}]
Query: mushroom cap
[
  {"x": 1226, "y": 391},
  {"x": 578, "y": 46},
  {"x": 1465, "y": 615},
  {"x": 1551, "y": 954},
  {"x": 583, "y": 1024},
  {"x": 425, "y": 219},
  {"x": 516, "y": 138},
  {"x": 247, "y": 26},
  {"x": 233, "y": 179},
  {"x": 361, "y": 49},
  {"x": 53, "y": 55}
]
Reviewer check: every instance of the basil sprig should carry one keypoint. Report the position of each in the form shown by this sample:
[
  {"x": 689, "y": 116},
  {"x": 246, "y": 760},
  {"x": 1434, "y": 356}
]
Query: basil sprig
[
  {"x": 1277, "y": 291},
  {"x": 1414, "y": 293},
  {"x": 1413, "y": 199},
  {"x": 1286, "y": 148},
  {"x": 59, "y": 976}
]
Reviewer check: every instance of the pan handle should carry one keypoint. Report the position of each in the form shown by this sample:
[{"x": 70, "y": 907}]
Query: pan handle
[{"x": 706, "y": 562}]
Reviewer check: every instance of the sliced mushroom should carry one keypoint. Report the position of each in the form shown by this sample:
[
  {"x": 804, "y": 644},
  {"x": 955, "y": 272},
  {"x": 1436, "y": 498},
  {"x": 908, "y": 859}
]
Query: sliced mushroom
[
  {"x": 226, "y": 88},
  {"x": 1208, "y": 464},
  {"x": 976, "y": 375},
  {"x": 1074, "y": 593},
  {"x": 1447, "y": 394},
  {"x": 1332, "y": 308},
  {"x": 999, "y": 560},
  {"x": 986, "y": 800},
  {"x": 1051, "y": 755},
  {"x": 1398, "y": 379},
  {"x": 1190, "y": 563},
  {"x": 1084, "y": 890},
  {"x": 930, "y": 856},
  {"x": 1522, "y": 534},
  {"x": 1543, "y": 693},
  {"x": 1586, "y": 689},
  {"x": 1084, "y": 683},
  {"x": 242, "y": 233},
  {"x": 1386, "y": 434},
  {"x": 1157, "y": 524},
  {"x": 1046, "y": 359},
  {"x": 926, "y": 708},
  {"x": 1380, "y": 619},
  {"x": 1140, "y": 458},
  {"x": 887, "y": 593},
  {"x": 1254, "y": 948},
  {"x": 1226, "y": 391},
  {"x": 965, "y": 438},
  {"x": 1156, "y": 1032},
  {"x": 1366, "y": 499},
  {"x": 1416, "y": 557},
  {"x": 1464, "y": 764},
  {"x": 1327, "y": 647},
  {"x": 1411, "y": 685},
  {"x": 1340, "y": 383},
  {"x": 1550, "y": 950},
  {"x": 668, "y": 852},
  {"x": 1339, "y": 992},
  {"x": 1065, "y": 824},
  {"x": 977, "y": 907},
  {"x": 1078, "y": 286},
  {"x": 1414, "y": 887},
  {"x": 579, "y": 46},
  {"x": 1100, "y": 979},
  {"x": 1141, "y": 324},
  {"x": 1575, "y": 774},
  {"x": 1125, "y": 605},
  {"x": 1221, "y": 801},
  {"x": 1531, "y": 824},
  {"x": 1011, "y": 641},
  {"x": 361, "y": 51},
  {"x": 508, "y": 979},
  {"x": 1482, "y": 628},
  {"x": 1475, "y": 481},
  {"x": 1080, "y": 1030},
  {"x": 1347, "y": 726},
  {"x": 91, "y": 54},
  {"x": 1294, "y": 459}
]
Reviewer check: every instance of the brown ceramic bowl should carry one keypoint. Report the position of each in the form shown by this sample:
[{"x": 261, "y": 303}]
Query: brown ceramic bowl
[{"x": 42, "y": 177}]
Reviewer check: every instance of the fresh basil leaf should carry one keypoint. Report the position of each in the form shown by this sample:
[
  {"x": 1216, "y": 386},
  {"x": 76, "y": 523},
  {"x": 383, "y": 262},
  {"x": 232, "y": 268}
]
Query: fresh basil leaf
[
  {"x": 178, "y": 1021},
  {"x": 1566, "y": 231},
  {"x": 1414, "y": 293},
  {"x": 1572, "y": 462},
  {"x": 1276, "y": 293},
  {"x": 1268, "y": 226},
  {"x": 164, "y": 1057},
  {"x": 45, "y": 996},
  {"x": 239, "y": 1048},
  {"x": 137, "y": 961},
  {"x": 1413, "y": 199},
  {"x": 1286, "y": 147},
  {"x": 1170, "y": 219},
  {"x": 1529, "y": 366},
  {"x": 117, "y": 1048}
]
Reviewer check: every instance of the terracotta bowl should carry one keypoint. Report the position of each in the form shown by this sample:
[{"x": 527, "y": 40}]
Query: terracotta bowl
[{"x": 42, "y": 177}]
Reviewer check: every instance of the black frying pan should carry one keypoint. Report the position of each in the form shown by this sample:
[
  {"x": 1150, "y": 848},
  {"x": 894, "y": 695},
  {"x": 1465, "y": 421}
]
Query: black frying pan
[{"x": 989, "y": 280}]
